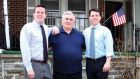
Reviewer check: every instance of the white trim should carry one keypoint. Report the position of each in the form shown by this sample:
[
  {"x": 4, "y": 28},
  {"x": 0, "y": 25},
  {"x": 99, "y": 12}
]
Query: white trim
[
  {"x": 115, "y": 0},
  {"x": 50, "y": 0},
  {"x": 6, "y": 24},
  {"x": 31, "y": 8},
  {"x": 97, "y": 4},
  {"x": 134, "y": 23},
  {"x": 27, "y": 11},
  {"x": 37, "y": 2}
]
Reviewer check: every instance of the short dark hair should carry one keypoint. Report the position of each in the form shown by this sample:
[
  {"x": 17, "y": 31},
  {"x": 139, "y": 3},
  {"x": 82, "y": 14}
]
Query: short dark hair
[
  {"x": 96, "y": 10},
  {"x": 39, "y": 6}
]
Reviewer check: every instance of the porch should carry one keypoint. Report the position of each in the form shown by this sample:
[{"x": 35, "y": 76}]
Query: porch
[
  {"x": 125, "y": 65},
  {"x": 123, "y": 40}
]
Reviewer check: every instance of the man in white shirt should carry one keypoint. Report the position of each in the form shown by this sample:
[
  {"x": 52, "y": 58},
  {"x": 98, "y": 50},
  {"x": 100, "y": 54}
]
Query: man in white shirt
[
  {"x": 99, "y": 47},
  {"x": 32, "y": 45}
]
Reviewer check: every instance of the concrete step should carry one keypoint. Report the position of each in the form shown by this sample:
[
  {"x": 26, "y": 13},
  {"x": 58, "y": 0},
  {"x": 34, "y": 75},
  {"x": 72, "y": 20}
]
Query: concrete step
[
  {"x": 14, "y": 69},
  {"x": 114, "y": 76},
  {"x": 13, "y": 76}
]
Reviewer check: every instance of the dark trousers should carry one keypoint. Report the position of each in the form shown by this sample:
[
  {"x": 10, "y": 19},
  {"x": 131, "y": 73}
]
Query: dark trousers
[
  {"x": 94, "y": 68},
  {"x": 58, "y": 75}
]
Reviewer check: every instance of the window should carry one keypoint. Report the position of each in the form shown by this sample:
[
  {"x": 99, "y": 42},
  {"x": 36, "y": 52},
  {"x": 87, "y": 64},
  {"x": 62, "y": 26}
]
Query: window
[
  {"x": 52, "y": 7},
  {"x": 76, "y": 5},
  {"x": 51, "y": 4}
]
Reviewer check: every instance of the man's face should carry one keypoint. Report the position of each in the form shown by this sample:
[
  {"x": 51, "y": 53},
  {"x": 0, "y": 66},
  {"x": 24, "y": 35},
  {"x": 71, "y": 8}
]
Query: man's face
[
  {"x": 39, "y": 14},
  {"x": 68, "y": 21},
  {"x": 94, "y": 18}
]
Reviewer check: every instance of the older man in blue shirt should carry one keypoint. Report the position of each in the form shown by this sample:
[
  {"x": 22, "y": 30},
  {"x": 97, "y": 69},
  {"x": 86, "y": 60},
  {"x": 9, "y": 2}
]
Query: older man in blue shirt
[
  {"x": 99, "y": 47},
  {"x": 67, "y": 47}
]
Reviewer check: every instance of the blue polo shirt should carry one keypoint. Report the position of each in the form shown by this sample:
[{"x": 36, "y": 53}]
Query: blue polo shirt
[{"x": 67, "y": 51}]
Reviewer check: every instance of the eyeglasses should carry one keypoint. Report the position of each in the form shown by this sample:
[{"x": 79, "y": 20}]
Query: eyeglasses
[{"x": 70, "y": 19}]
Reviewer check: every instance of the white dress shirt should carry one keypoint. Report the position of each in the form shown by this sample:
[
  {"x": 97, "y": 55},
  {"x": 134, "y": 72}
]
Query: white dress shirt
[
  {"x": 103, "y": 41},
  {"x": 31, "y": 43}
]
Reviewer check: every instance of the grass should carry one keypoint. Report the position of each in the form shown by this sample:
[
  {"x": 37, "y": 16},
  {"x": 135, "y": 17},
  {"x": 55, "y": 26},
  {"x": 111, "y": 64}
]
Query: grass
[{"x": 50, "y": 53}]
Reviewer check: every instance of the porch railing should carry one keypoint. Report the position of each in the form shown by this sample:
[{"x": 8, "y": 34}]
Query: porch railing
[
  {"x": 16, "y": 25},
  {"x": 81, "y": 24}
]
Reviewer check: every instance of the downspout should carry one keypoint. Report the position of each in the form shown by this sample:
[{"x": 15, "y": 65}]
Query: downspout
[
  {"x": 134, "y": 25},
  {"x": 6, "y": 24}
]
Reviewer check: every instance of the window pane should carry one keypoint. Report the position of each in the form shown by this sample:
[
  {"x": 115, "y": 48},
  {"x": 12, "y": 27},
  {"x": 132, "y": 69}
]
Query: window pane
[
  {"x": 52, "y": 7},
  {"x": 76, "y": 5},
  {"x": 51, "y": 4}
]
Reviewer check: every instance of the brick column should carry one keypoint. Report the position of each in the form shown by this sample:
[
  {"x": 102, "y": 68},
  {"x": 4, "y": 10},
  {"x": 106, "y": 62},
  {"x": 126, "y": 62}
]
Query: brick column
[{"x": 17, "y": 18}]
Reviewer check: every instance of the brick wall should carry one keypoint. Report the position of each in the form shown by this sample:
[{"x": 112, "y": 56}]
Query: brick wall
[
  {"x": 2, "y": 32},
  {"x": 1, "y": 10},
  {"x": 102, "y": 9},
  {"x": 17, "y": 18}
]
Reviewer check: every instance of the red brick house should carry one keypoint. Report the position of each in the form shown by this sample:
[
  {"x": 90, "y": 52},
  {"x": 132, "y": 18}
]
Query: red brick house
[{"x": 20, "y": 12}]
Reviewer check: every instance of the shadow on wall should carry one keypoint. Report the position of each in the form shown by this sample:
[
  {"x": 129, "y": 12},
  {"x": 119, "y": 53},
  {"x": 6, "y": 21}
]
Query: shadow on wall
[
  {"x": 14, "y": 40},
  {"x": 2, "y": 36}
]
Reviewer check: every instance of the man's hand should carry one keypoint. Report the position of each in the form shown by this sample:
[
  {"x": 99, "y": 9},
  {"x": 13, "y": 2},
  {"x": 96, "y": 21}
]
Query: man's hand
[
  {"x": 31, "y": 74},
  {"x": 55, "y": 30},
  {"x": 106, "y": 67}
]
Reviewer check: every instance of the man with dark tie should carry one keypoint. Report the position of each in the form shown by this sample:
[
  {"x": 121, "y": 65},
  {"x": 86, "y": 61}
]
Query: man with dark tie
[
  {"x": 99, "y": 47},
  {"x": 34, "y": 45}
]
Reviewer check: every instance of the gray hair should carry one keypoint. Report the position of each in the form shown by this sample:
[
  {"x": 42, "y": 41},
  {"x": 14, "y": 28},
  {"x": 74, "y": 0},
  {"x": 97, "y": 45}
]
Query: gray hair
[{"x": 68, "y": 13}]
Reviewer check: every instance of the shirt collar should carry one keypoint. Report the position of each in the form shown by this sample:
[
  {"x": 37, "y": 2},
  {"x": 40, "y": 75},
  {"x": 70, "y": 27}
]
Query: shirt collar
[
  {"x": 62, "y": 30},
  {"x": 96, "y": 26},
  {"x": 37, "y": 24}
]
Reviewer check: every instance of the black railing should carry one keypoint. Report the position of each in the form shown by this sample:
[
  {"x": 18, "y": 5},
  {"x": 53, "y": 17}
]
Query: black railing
[
  {"x": 81, "y": 24},
  {"x": 137, "y": 38},
  {"x": 14, "y": 30}
]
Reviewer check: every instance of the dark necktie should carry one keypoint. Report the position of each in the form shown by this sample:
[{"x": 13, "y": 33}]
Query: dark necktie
[
  {"x": 92, "y": 43},
  {"x": 45, "y": 53}
]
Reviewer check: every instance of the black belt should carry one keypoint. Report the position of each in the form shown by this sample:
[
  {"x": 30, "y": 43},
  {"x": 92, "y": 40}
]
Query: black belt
[
  {"x": 98, "y": 59},
  {"x": 38, "y": 61}
]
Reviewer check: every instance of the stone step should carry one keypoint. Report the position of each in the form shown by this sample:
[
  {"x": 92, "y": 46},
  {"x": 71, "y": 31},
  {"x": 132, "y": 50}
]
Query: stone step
[
  {"x": 13, "y": 76},
  {"x": 14, "y": 69},
  {"x": 114, "y": 76}
]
